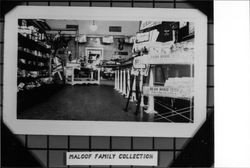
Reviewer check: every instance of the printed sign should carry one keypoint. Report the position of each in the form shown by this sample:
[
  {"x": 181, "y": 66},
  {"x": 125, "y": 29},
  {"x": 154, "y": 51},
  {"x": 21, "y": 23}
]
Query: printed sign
[
  {"x": 142, "y": 37},
  {"x": 138, "y": 62},
  {"x": 173, "y": 58},
  {"x": 147, "y": 24},
  {"x": 168, "y": 91},
  {"x": 139, "y": 158}
]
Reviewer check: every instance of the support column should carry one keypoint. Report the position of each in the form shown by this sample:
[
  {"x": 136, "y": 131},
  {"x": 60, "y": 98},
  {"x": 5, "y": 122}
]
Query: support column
[
  {"x": 91, "y": 75},
  {"x": 128, "y": 84},
  {"x": 98, "y": 75},
  {"x": 115, "y": 81},
  {"x": 141, "y": 87},
  {"x": 120, "y": 88},
  {"x": 151, "y": 109},
  {"x": 142, "y": 97},
  {"x": 124, "y": 82},
  {"x": 72, "y": 76},
  {"x": 118, "y": 80},
  {"x": 133, "y": 97}
]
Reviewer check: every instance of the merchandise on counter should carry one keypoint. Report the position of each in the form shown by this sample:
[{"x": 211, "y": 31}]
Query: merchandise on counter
[
  {"x": 33, "y": 74},
  {"x": 108, "y": 39},
  {"x": 47, "y": 80},
  {"x": 82, "y": 39},
  {"x": 130, "y": 40},
  {"x": 20, "y": 86}
]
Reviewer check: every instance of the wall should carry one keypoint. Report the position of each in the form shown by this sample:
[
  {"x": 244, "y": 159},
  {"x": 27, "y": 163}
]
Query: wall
[
  {"x": 128, "y": 27},
  {"x": 49, "y": 151},
  {"x": 108, "y": 49}
]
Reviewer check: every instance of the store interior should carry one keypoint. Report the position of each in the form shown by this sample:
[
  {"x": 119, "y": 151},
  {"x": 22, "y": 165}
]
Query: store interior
[{"x": 95, "y": 70}]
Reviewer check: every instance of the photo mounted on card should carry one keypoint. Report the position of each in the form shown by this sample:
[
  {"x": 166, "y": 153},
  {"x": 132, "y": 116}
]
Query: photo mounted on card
[{"x": 105, "y": 71}]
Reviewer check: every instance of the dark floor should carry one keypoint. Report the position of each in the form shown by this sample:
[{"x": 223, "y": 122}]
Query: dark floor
[{"x": 80, "y": 102}]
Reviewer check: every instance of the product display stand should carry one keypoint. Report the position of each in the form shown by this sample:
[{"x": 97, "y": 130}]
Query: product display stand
[
  {"x": 34, "y": 56},
  {"x": 154, "y": 53},
  {"x": 72, "y": 80},
  {"x": 151, "y": 111},
  {"x": 165, "y": 60}
]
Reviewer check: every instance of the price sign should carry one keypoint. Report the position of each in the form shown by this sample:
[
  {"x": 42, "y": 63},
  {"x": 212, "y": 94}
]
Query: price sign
[{"x": 138, "y": 62}]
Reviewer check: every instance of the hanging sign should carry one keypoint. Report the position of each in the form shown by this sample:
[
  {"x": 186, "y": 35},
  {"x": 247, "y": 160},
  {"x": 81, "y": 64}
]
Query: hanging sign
[
  {"x": 142, "y": 37},
  {"x": 136, "y": 158},
  {"x": 138, "y": 65},
  {"x": 145, "y": 70},
  {"x": 138, "y": 62},
  {"x": 147, "y": 24}
]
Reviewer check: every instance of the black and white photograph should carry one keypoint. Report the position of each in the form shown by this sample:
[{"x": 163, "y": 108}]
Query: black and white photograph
[
  {"x": 108, "y": 69},
  {"x": 84, "y": 70}
]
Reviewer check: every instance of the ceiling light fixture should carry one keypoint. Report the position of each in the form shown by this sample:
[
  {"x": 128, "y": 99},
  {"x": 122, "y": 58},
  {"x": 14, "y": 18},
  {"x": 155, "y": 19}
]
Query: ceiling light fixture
[{"x": 93, "y": 26}]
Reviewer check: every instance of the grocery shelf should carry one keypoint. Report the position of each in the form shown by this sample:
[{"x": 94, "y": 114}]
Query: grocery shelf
[
  {"x": 29, "y": 67},
  {"x": 30, "y": 79},
  {"x": 29, "y": 56},
  {"x": 31, "y": 44}
]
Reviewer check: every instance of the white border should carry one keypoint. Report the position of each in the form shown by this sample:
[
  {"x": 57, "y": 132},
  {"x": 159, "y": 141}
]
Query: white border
[{"x": 100, "y": 128}]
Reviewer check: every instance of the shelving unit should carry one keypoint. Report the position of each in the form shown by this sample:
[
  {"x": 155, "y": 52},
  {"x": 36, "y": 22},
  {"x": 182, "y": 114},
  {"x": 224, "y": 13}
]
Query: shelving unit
[
  {"x": 31, "y": 44},
  {"x": 34, "y": 59},
  {"x": 169, "y": 100}
]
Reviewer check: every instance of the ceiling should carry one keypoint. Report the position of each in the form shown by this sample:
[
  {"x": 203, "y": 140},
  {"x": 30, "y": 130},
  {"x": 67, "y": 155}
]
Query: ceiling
[{"x": 128, "y": 27}]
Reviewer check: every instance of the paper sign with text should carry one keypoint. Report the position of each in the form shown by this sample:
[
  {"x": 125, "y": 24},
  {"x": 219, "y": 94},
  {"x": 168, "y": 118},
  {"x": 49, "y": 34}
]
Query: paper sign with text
[
  {"x": 173, "y": 58},
  {"x": 169, "y": 91},
  {"x": 138, "y": 62},
  {"x": 139, "y": 158}
]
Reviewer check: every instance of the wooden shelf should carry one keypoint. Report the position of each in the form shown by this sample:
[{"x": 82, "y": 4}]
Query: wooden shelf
[
  {"x": 41, "y": 25},
  {"x": 31, "y": 67},
  {"x": 30, "y": 79},
  {"x": 29, "y": 56},
  {"x": 31, "y": 44}
]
